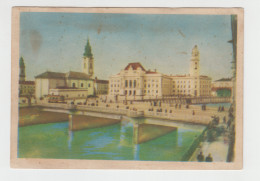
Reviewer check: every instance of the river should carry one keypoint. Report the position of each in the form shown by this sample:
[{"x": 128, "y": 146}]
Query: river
[{"x": 114, "y": 142}]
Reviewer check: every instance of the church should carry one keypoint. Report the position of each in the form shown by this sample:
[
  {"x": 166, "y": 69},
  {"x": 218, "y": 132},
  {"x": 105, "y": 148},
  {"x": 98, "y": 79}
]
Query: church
[{"x": 71, "y": 85}]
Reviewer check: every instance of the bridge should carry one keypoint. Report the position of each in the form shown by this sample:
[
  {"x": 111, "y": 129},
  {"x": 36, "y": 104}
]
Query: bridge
[{"x": 186, "y": 100}]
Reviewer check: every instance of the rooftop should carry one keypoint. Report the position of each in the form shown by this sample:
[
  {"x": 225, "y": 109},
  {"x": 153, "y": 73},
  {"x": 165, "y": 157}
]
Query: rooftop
[
  {"x": 223, "y": 79},
  {"x": 51, "y": 75},
  {"x": 134, "y": 66}
]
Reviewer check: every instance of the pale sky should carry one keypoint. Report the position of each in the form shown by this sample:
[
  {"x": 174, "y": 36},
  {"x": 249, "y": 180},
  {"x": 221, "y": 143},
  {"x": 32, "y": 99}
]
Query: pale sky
[{"x": 56, "y": 42}]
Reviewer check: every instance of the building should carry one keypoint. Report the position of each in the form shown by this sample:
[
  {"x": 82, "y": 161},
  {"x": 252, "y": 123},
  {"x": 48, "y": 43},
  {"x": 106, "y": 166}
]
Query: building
[
  {"x": 70, "y": 84},
  {"x": 49, "y": 82},
  {"x": 192, "y": 84},
  {"x": 136, "y": 83},
  {"x": 101, "y": 86},
  {"x": 222, "y": 87},
  {"x": 26, "y": 88}
]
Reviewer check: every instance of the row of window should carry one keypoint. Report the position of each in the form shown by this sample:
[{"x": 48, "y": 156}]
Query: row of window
[{"x": 81, "y": 85}]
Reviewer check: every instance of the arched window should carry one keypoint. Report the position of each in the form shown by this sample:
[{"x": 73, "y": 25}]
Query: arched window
[
  {"x": 126, "y": 83},
  {"x": 73, "y": 85}
]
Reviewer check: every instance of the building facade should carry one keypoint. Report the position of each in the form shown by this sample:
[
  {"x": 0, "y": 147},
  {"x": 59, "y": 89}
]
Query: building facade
[
  {"x": 101, "y": 86},
  {"x": 192, "y": 84},
  {"x": 71, "y": 85},
  {"x": 136, "y": 83},
  {"x": 48, "y": 81}
]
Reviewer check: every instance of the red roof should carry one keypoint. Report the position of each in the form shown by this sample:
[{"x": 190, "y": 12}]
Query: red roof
[{"x": 134, "y": 66}]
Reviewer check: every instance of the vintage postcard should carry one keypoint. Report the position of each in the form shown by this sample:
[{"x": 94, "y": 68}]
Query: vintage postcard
[{"x": 127, "y": 88}]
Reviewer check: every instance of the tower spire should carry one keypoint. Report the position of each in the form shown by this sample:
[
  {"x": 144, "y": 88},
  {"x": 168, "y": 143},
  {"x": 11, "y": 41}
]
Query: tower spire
[
  {"x": 88, "y": 61},
  {"x": 88, "y": 52},
  {"x": 22, "y": 69}
]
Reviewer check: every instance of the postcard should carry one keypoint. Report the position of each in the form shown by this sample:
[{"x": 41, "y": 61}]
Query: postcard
[{"x": 127, "y": 88}]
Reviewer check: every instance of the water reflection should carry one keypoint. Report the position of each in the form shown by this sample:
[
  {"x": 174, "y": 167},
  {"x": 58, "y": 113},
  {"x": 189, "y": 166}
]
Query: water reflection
[{"x": 70, "y": 139}]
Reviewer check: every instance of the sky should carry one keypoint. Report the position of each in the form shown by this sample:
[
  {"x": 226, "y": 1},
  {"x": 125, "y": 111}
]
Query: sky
[{"x": 56, "y": 42}]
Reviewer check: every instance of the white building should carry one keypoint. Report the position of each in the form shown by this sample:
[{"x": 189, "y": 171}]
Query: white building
[
  {"x": 192, "y": 84},
  {"x": 136, "y": 83}
]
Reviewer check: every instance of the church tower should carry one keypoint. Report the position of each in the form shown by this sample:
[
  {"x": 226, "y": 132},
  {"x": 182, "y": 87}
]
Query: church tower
[
  {"x": 88, "y": 61},
  {"x": 194, "y": 62},
  {"x": 22, "y": 69}
]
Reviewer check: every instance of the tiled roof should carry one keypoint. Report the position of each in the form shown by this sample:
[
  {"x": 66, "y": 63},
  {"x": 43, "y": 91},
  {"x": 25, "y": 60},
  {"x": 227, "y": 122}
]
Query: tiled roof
[
  {"x": 134, "y": 65},
  {"x": 77, "y": 75},
  {"x": 101, "y": 81},
  {"x": 27, "y": 82},
  {"x": 51, "y": 75}
]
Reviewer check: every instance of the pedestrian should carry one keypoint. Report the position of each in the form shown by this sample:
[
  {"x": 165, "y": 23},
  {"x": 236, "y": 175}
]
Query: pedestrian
[
  {"x": 209, "y": 158},
  {"x": 200, "y": 157}
]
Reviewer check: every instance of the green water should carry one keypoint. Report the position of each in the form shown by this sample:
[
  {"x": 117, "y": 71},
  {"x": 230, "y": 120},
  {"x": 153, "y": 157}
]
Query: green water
[{"x": 113, "y": 142}]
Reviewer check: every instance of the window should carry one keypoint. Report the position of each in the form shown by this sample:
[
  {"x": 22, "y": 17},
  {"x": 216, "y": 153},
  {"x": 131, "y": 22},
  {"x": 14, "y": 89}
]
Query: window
[
  {"x": 89, "y": 85},
  {"x": 130, "y": 83},
  {"x": 126, "y": 83},
  {"x": 134, "y": 83},
  {"x": 82, "y": 84},
  {"x": 73, "y": 85}
]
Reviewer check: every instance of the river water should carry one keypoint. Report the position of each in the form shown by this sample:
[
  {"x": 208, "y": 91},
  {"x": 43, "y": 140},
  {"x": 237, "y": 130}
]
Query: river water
[{"x": 114, "y": 142}]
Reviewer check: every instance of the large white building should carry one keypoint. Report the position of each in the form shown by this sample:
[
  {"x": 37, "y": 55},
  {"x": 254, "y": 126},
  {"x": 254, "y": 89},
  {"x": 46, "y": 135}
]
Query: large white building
[{"x": 134, "y": 82}]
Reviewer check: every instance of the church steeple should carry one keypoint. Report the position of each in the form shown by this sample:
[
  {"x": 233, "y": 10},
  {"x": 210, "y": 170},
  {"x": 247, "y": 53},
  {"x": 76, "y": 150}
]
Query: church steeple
[
  {"x": 88, "y": 52},
  {"x": 88, "y": 61},
  {"x": 22, "y": 69},
  {"x": 194, "y": 62}
]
